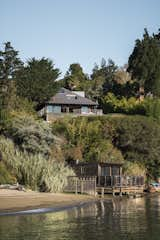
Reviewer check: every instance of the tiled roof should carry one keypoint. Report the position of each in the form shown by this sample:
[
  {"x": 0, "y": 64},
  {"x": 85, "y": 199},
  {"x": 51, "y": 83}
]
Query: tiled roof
[{"x": 67, "y": 97}]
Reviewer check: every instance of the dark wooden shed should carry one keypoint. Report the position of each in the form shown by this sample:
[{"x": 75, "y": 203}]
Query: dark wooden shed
[
  {"x": 104, "y": 177},
  {"x": 97, "y": 169}
]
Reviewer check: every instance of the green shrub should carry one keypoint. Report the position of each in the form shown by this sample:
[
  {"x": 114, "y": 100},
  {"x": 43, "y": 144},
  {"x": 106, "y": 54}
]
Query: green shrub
[
  {"x": 112, "y": 104},
  {"x": 31, "y": 135},
  {"x": 152, "y": 107}
]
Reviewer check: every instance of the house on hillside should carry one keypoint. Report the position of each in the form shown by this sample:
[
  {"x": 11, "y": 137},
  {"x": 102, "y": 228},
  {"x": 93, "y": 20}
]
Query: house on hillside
[{"x": 69, "y": 102}]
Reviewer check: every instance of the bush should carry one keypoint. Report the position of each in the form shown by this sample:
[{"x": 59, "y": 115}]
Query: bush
[
  {"x": 31, "y": 135},
  {"x": 112, "y": 104},
  {"x": 152, "y": 107}
]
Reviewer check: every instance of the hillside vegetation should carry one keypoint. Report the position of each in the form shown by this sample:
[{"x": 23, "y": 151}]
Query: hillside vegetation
[
  {"x": 116, "y": 138},
  {"x": 36, "y": 154}
]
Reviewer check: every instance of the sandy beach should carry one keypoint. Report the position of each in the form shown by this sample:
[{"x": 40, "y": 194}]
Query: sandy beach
[{"x": 13, "y": 200}]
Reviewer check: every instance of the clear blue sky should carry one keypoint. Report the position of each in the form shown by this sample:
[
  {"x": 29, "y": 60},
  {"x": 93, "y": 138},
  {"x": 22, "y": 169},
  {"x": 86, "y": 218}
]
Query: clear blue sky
[{"x": 83, "y": 31}]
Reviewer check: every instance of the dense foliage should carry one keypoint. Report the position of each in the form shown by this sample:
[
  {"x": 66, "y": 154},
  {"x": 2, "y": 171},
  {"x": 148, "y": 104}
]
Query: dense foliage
[
  {"x": 9, "y": 65},
  {"x": 36, "y": 81},
  {"x": 113, "y": 139},
  {"x": 144, "y": 63}
]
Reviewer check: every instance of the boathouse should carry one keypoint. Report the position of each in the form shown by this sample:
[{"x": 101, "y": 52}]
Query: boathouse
[{"x": 104, "y": 177}]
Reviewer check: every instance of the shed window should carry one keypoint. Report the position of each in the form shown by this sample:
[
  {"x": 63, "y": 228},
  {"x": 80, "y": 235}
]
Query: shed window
[
  {"x": 115, "y": 171},
  {"x": 105, "y": 171},
  {"x": 83, "y": 170}
]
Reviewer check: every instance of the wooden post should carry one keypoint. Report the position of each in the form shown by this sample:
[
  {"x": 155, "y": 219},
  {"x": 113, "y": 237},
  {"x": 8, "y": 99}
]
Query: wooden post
[
  {"x": 120, "y": 171},
  {"x": 104, "y": 180},
  {"x": 76, "y": 190},
  {"x": 95, "y": 185},
  {"x": 102, "y": 192},
  {"x": 81, "y": 186},
  {"x": 113, "y": 192},
  {"x": 111, "y": 181}
]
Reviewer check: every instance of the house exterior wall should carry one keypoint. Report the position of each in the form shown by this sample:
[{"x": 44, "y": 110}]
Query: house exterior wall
[{"x": 51, "y": 112}]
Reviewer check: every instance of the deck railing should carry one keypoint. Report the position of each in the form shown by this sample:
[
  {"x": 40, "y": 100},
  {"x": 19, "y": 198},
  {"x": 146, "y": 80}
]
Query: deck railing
[
  {"x": 81, "y": 185},
  {"x": 120, "y": 181},
  {"x": 89, "y": 185}
]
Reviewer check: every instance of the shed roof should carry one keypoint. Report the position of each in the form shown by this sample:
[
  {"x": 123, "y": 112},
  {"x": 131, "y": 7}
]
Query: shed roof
[
  {"x": 67, "y": 97},
  {"x": 102, "y": 164}
]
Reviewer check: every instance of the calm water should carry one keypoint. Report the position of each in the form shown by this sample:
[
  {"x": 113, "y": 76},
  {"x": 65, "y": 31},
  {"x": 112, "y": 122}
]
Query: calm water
[{"x": 109, "y": 219}]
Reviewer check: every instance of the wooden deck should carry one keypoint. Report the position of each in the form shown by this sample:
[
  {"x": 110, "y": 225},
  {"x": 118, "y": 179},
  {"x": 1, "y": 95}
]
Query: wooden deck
[
  {"x": 102, "y": 185},
  {"x": 120, "y": 190},
  {"x": 120, "y": 185}
]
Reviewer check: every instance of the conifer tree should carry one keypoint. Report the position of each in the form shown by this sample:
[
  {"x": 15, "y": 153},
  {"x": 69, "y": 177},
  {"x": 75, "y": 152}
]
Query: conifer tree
[
  {"x": 75, "y": 78},
  {"x": 36, "y": 81},
  {"x": 144, "y": 63},
  {"x": 9, "y": 64}
]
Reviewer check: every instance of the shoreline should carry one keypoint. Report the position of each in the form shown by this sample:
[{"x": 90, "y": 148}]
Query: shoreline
[{"x": 14, "y": 202}]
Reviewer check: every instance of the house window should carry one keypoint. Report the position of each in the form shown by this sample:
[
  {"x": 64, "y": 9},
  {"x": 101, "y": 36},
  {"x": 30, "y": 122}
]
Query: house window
[
  {"x": 56, "y": 109},
  {"x": 49, "y": 108},
  {"x": 84, "y": 109},
  {"x": 53, "y": 109}
]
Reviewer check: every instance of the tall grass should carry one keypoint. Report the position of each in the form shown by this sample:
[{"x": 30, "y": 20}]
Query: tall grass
[
  {"x": 54, "y": 177},
  {"x": 5, "y": 176},
  {"x": 34, "y": 170}
]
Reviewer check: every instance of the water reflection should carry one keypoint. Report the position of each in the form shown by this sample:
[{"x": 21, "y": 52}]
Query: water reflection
[{"x": 105, "y": 219}]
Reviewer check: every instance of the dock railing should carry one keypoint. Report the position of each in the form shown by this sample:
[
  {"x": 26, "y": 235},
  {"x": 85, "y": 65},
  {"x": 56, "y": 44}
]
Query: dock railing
[
  {"x": 81, "y": 185},
  {"x": 120, "y": 181}
]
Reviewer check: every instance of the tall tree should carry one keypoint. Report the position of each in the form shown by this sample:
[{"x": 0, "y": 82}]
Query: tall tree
[
  {"x": 97, "y": 81},
  {"x": 75, "y": 78},
  {"x": 37, "y": 81},
  {"x": 109, "y": 74},
  {"x": 144, "y": 63},
  {"x": 9, "y": 65}
]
